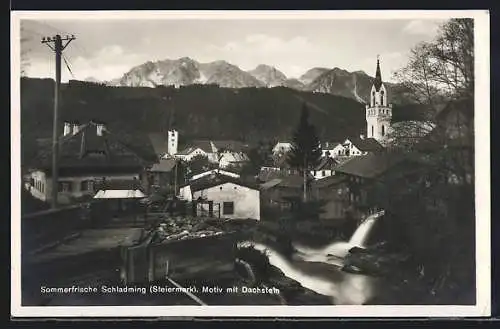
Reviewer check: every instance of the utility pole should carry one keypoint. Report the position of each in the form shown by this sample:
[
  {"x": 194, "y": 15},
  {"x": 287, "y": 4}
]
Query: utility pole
[{"x": 57, "y": 46}]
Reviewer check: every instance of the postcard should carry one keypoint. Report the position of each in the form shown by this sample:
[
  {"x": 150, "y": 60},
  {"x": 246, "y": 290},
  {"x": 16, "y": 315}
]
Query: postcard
[{"x": 250, "y": 164}]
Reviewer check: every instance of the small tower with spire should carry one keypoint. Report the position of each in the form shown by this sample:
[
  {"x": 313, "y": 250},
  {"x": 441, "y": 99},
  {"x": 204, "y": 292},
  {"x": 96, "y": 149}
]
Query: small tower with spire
[{"x": 378, "y": 112}]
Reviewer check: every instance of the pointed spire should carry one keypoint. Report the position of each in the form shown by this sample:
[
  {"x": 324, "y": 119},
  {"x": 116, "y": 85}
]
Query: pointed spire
[{"x": 378, "y": 75}]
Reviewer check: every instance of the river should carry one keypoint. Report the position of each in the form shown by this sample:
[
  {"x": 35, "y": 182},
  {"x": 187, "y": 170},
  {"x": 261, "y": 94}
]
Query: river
[{"x": 320, "y": 269}]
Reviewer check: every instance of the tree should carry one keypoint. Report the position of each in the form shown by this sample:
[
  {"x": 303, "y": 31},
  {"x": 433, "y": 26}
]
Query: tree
[
  {"x": 306, "y": 152},
  {"x": 432, "y": 212},
  {"x": 438, "y": 72}
]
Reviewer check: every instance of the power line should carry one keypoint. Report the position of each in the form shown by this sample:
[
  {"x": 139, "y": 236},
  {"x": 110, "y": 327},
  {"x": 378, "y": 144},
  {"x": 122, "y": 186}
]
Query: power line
[{"x": 57, "y": 44}]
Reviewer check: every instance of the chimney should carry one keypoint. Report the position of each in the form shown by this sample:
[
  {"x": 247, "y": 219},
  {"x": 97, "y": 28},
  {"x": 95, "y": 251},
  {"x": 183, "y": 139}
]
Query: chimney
[
  {"x": 362, "y": 136},
  {"x": 67, "y": 128},
  {"x": 100, "y": 129},
  {"x": 76, "y": 128}
]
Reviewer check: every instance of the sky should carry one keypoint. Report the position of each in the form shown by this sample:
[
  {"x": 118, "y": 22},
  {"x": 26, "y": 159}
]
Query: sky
[{"x": 107, "y": 48}]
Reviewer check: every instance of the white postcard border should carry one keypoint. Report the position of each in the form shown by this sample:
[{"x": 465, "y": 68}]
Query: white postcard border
[{"x": 482, "y": 158}]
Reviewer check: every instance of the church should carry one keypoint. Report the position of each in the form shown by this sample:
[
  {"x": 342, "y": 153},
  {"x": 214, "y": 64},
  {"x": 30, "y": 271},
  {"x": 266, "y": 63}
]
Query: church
[{"x": 379, "y": 111}]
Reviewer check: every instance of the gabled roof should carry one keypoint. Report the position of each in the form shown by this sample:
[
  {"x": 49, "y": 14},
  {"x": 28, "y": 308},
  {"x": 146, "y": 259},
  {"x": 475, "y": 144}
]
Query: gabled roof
[
  {"x": 329, "y": 181},
  {"x": 371, "y": 165},
  {"x": 271, "y": 183},
  {"x": 234, "y": 157},
  {"x": 230, "y": 145},
  {"x": 110, "y": 150},
  {"x": 326, "y": 163},
  {"x": 119, "y": 185},
  {"x": 214, "y": 171},
  {"x": 209, "y": 181},
  {"x": 294, "y": 181},
  {"x": 206, "y": 145},
  {"x": 366, "y": 144},
  {"x": 164, "y": 165}
]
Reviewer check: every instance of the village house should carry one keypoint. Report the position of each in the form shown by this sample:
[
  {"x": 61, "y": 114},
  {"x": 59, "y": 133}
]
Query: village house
[
  {"x": 198, "y": 148},
  {"x": 232, "y": 159},
  {"x": 325, "y": 168},
  {"x": 283, "y": 193},
  {"x": 223, "y": 196},
  {"x": 355, "y": 146},
  {"x": 88, "y": 154},
  {"x": 332, "y": 149},
  {"x": 333, "y": 191},
  {"x": 164, "y": 174},
  {"x": 278, "y": 168},
  {"x": 361, "y": 172},
  {"x": 224, "y": 153}
]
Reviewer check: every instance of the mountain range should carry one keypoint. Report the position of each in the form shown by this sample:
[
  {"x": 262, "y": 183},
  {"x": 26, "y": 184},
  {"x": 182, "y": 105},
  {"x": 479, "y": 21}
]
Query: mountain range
[{"x": 186, "y": 71}]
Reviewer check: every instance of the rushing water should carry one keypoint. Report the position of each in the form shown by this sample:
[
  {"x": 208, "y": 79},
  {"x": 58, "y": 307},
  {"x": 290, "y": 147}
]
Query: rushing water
[{"x": 319, "y": 269}]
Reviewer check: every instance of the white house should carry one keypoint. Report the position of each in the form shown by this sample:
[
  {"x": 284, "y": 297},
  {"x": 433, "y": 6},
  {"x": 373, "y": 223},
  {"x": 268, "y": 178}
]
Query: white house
[
  {"x": 189, "y": 153},
  {"x": 229, "y": 158},
  {"x": 225, "y": 196},
  {"x": 354, "y": 146},
  {"x": 332, "y": 149},
  {"x": 282, "y": 147}
]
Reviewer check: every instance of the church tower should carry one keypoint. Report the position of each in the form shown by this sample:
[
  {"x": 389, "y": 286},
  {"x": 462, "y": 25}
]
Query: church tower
[
  {"x": 172, "y": 135},
  {"x": 378, "y": 112}
]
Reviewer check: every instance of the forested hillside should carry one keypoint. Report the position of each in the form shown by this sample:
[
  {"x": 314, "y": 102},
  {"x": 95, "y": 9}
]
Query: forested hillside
[{"x": 200, "y": 111}]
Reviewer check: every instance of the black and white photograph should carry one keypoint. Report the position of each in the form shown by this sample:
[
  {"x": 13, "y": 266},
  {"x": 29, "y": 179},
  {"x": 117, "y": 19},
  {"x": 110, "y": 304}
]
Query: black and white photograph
[{"x": 250, "y": 163}]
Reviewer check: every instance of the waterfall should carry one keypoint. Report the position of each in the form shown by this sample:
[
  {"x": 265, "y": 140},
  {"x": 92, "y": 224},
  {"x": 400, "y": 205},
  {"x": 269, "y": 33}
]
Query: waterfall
[
  {"x": 362, "y": 233},
  {"x": 358, "y": 239}
]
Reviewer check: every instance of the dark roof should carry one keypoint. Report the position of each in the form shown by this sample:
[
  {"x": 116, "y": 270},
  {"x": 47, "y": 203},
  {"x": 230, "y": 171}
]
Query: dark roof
[
  {"x": 329, "y": 181},
  {"x": 164, "y": 165},
  {"x": 371, "y": 165},
  {"x": 294, "y": 181},
  {"x": 159, "y": 143},
  {"x": 130, "y": 184},
  {"x": 230, "y": 145},
  {"x": 270, "y": 184},
  {"x": 267, "y": 175},
  {"x": 326, "y": 163},
  {"x": 217, "y": 179},
  {"x": 204, "y": 145},
  {"x": 366, "y": 144},
  {"x": 87, "y": 149}
]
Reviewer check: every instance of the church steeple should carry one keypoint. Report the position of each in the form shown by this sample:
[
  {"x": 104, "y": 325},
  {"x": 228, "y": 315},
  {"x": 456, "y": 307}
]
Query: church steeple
[
  {"x": 379, "y": 111},
  {"x": 378, "y": 76}
]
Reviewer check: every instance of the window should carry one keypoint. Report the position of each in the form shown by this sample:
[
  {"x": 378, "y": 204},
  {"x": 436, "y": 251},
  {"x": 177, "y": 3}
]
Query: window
[
  {"x": 323, "y": 173},
  {"x": 383, "y": 130},
  {"x": 64, "y": 186},
  {"x": 382, "y": 97},
  {"x": 87, "y": 185},
  {"x": 228, "y": 208}
]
